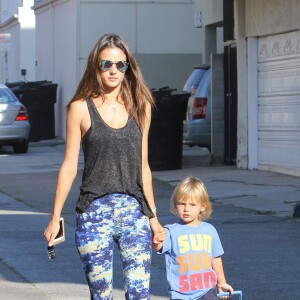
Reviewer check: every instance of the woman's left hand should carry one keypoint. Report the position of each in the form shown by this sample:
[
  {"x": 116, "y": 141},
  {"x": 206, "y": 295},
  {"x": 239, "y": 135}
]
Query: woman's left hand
[{"x": 159, "y": 233}]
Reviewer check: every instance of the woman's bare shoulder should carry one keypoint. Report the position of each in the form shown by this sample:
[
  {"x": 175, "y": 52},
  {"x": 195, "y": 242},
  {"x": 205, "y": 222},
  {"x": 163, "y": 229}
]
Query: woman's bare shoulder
[
  {"x": 78, "y": 104},
  {"x": 78, "y": 107}
]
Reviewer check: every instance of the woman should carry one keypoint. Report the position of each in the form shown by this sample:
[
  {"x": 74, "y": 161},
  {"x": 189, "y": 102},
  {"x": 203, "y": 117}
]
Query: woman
[{"x": 110, "y": 115}]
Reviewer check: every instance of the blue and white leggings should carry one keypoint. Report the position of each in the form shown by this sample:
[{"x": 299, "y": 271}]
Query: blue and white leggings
[{"x": 115, "y": 217}]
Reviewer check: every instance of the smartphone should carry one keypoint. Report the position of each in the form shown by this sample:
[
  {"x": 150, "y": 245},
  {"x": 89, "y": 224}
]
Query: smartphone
[
  {"x": 60, "y": 237},
  {"x": 61, "y": 233}
]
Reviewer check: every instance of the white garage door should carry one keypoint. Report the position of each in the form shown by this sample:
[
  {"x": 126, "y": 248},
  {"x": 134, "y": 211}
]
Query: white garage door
[{"x": 279, "y": 103}]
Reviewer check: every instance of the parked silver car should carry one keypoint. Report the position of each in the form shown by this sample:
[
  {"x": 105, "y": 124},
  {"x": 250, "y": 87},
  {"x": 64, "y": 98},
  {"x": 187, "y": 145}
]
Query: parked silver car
[
  {"x": 197, "y": 126},
  {"x": 14, "y": 123}
]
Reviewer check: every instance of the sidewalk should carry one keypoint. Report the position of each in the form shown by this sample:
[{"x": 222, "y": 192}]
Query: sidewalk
[
  {"x": 26, "y": 184},
  {"x": 265, "y": 192}
]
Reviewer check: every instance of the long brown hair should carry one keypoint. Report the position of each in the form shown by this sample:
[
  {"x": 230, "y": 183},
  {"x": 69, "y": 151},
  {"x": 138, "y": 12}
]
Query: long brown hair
[{"x": 133, "y": 92}]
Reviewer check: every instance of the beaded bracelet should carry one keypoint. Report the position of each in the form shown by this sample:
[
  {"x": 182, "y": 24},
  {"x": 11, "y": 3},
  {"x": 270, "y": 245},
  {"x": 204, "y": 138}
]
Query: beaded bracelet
[{"x": 154, "y": 210}]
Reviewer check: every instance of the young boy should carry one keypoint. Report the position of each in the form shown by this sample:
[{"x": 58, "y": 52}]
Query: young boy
[{"x": 192, "y": 247}]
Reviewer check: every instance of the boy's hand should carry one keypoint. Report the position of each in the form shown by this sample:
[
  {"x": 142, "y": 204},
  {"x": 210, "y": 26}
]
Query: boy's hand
[{"x": 223, "y": 288}]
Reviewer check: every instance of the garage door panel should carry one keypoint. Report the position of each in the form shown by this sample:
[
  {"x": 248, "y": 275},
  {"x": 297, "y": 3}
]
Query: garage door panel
[
  {"x": 279, "y": 148},
  {"x": 287, "y": 155},
  {"x": 279, "y": 103},
  {"x": 279, "y": 113},
  {"x": 290, "y": 80},
  {"x": 284, "y": 137},
  {"x": 264, "y": 86},
  {"x": 279, "y": 81}
]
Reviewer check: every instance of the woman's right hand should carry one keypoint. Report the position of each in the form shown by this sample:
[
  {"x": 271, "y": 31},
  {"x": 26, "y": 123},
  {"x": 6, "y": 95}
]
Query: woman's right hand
[
  {"x": 51, "y": 231},
  {"x": 158, "y": 232}
]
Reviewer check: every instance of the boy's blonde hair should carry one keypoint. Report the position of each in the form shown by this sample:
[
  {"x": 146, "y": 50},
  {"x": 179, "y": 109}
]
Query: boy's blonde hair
[{"x": 192, "y": 187}]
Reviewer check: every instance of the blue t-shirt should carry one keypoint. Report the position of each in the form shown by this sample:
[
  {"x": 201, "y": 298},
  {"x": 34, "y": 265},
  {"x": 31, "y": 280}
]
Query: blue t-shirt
[{"x": 189, "y": 251}]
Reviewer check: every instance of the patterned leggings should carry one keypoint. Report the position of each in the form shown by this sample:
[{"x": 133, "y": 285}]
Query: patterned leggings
[{"x": 115, "y": 217}]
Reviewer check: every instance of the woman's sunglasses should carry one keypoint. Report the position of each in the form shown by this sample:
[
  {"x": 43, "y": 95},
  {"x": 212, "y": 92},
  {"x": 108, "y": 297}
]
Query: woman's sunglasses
[{"x": 105, "y": 65}]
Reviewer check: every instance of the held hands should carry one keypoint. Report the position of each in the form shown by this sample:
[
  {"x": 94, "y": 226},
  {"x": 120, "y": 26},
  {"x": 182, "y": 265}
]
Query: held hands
[
  {"x": 51, "y": 231},
  {"x": 158, "y": 231},
  {"x": 160, "y": 236}
]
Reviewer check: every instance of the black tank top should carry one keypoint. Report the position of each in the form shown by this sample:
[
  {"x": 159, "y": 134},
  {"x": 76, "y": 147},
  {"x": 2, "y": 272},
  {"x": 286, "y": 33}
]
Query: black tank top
[{"x": 112, "y": 161}]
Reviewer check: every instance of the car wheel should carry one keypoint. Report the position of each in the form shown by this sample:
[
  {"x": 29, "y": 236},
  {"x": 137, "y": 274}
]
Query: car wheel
[{"x": 21, "y": 147}]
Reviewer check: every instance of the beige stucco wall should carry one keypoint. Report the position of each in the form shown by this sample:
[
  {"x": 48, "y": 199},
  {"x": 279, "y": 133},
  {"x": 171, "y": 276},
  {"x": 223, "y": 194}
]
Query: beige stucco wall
[
  {"x": 212, "y": 11},
  {"x": 211, "y": 16},
  {"x": 271, "y": 16}
]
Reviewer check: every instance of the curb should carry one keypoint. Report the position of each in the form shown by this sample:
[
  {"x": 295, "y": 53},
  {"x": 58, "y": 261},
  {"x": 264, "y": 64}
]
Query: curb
[{"x": 296, "y": 210}]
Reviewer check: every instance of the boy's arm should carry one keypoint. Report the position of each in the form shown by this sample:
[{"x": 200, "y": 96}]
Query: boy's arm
[{"x": 217, "y": 266}]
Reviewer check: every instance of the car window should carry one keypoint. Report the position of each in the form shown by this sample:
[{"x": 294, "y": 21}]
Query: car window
[
  {"x": 6, "y": 97},
  {"x": 204, "y": 86},
  {"x": 194, "y": 79}
]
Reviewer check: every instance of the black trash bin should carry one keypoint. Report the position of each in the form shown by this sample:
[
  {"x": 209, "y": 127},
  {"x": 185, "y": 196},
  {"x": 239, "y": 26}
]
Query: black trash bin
[
  {"x": 39, "y": 98},
  {"x": 165, "y": 134}
]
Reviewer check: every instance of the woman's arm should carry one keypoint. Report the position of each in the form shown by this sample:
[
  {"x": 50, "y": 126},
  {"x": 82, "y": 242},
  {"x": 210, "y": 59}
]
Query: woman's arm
[
  {"x": 68, "y": 169},
  {"x": 157, "y": 229},
  {"x": 217, "y": 266}
]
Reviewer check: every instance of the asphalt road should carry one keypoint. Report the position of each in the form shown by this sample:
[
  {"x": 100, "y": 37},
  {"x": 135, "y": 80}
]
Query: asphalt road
[{"x": 262, "y": 251}]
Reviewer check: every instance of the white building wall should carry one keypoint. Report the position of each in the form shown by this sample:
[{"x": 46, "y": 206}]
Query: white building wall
[
  {"x": 242, "y": 75},
  {"x": 159, "y": 33},
  {"x": 27, "y": 41},
  {"x": 210, "y": 16},
  {"x": 44, "y": 44},
  {"x": 10, "y": 7},
  {"x": 167, "y": 37},
  {"x": 99, "y": 17},
  {"x": 65, "y": 59},
  {"x": 56, "y": 52},
  {"x": 165, "y": 28},
  {"x": 19, "y": 22},
  {"x": 11, "y": 57}
]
